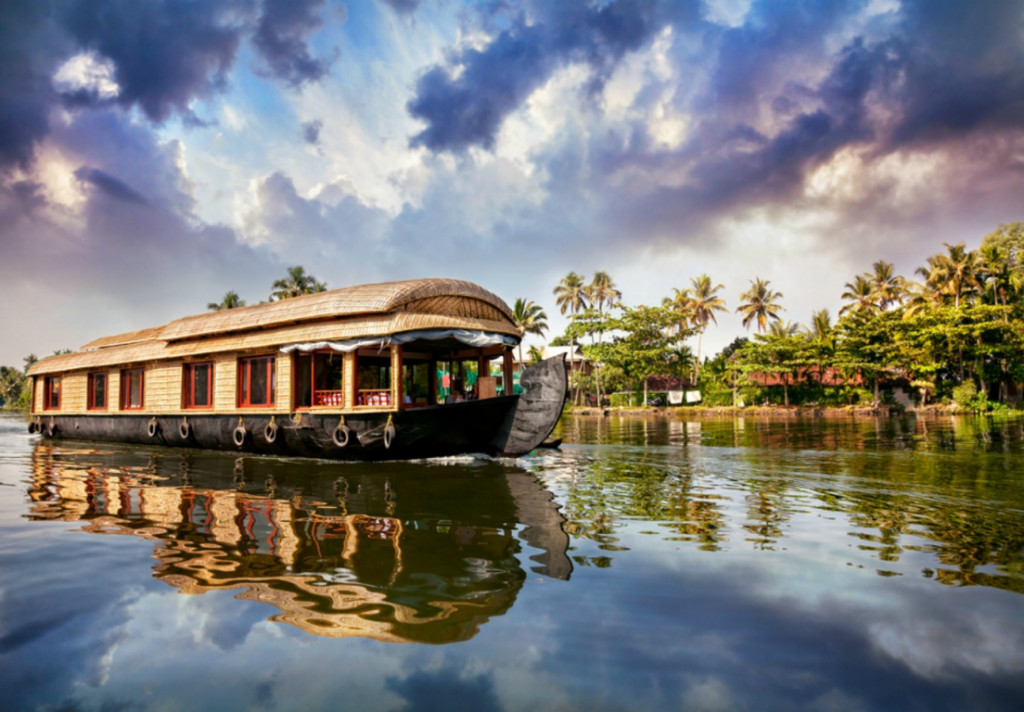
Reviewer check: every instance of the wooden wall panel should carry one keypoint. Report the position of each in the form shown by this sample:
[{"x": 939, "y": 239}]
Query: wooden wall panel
[
  {"x": 113, "y": 390},
  {"x": 283, "y": 396},
  {"x": 74, "y": 390},
  {"x": 225, "y": 382},
  {"x": 162, "y": 389}
]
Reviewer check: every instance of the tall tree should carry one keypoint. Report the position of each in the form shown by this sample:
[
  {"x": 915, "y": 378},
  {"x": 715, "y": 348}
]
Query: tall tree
[
  {"x": 860, "y": 293},
  {"x": 682, "y": 308},
  {"x": 954, "y": 274},
  {"x": 759, "y": 303},
  {"x": 231, "y": 300},
  {"x": 704, "y": 302},
  {"x": 530, "y": 318},
  {"x": 295, "y": 284},
  {"x": 887, "y": 287},
  {"x": 571, "y": 296},
  {"x": 602, "y": 293}
]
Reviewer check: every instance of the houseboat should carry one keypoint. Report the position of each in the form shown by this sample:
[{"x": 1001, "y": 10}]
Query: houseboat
[{"x": 396, "y": 370}]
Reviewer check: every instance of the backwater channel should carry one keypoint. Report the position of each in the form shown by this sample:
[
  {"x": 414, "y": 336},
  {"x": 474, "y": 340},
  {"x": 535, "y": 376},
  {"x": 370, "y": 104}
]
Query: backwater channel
[{"x": 646, "y": 564}]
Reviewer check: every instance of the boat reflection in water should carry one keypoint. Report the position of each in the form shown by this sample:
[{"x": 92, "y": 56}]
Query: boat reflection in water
[{"x": 404, "y": 552}]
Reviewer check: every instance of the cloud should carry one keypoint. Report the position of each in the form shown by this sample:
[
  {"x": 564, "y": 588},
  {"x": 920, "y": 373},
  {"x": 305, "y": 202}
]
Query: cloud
[
  {"x": 280, "y": 38},
  {"x": 465, "y": 102},
  {"x": 403, "y": 7},
  {"x": 166, "y": 54},
  {"x": 109, "y": 185},
  {"x": 311, "y": 132}
]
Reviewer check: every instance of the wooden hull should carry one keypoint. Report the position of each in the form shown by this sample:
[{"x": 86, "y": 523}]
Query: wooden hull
[{"x": 507, "y": 425}]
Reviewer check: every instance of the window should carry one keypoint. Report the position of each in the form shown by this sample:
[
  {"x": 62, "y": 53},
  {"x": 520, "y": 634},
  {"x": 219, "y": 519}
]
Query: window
[
  {"x": 131, "y": 388},
  {"x": 373, "y": 380},
  {"x": 256, "y": 381},
  {"x": 197, "y": 385},
  {"x": 97, "y": 391},
  {"x": 51, "y": 393},
  {"x": 318, "y": 379}
]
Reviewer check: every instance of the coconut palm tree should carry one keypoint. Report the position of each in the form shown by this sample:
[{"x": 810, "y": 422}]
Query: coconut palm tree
[
  {"x": 888, "y": 288},
  {"x": 822, "y": 336},
  {"x": 530, "y": 318},
  {"x": 861, "y": 296},
  {"x": 231, "y": 300},
  {"x": 955, "y": 273},
  {"x": 704, "y": 302},
  {"x": 295, "y": 284},
  {"x": 759, "y": 304},
  {"x": 571, "y": 296},
  {"x": 680, "y": 304},
  {"x": 602, "y": 292}
]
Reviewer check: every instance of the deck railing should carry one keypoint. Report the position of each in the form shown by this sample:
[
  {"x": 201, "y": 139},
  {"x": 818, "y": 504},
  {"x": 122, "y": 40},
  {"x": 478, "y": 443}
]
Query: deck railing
[
  {"x": 374, "y": 396},
  {"x": 336, "y": 398}
]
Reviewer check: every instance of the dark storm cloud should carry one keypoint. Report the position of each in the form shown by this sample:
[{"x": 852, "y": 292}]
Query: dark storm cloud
[
  {"x": 311, "y": 132},
  {"x": 281, "y": 39},
  {"x": 467, "y": 108},
  {"x": 25, "y": 94},
  {"x": 163, "y": 55},
  {"x": 403, "y": 7},
  {"x": 109, "y": 185}
]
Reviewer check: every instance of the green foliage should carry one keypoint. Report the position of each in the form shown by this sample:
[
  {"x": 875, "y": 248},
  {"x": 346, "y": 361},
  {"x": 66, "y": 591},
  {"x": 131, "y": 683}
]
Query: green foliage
[{"x": 640, "y": 346}]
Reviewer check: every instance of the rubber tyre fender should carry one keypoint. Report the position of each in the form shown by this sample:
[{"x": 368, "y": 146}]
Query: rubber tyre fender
[
  {"x": 239, "y": 436},
  {"x": 270, "y": 433},
  {"x": 340, "y": 436},
  {"x": 389, "y": 435},
  {"x": 152, "y": 428}
]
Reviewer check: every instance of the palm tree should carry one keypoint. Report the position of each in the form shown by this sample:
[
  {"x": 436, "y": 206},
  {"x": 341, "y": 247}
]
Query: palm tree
[
  {"x": 535, "y": 354},
  {"x": 571, "y": 296},
  {"x": 955, "y": 273},
  {"x": 861, "y": 295},
  {"x": 231, "y": 300},
  {"x": 681, "y": 305},
  {"x": 887, "y": 288},
  {"x": 759, "y": 304},
  {"x": 602, "y": 291},
  {"x": 704, "y": 302},
  {"x": 822, "y": 336},
  {"x": 295, "y": 284},
  {"x": 530, "y": 319}
]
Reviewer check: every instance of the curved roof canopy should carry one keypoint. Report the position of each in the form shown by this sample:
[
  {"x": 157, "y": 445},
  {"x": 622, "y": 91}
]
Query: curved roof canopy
[{"x": 361, "y": 311}]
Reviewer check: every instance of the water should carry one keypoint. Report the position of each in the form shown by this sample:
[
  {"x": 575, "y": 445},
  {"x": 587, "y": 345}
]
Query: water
[{"x": 648, "y": 564}]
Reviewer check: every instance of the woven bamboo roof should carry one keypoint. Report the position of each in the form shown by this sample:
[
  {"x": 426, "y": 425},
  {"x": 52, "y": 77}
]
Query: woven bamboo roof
[{"x": 365, "y": 310}]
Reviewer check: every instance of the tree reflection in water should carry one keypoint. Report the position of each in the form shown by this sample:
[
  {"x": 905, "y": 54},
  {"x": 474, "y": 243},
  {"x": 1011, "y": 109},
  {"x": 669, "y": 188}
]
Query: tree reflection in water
[{"x": 936, "y": 487}]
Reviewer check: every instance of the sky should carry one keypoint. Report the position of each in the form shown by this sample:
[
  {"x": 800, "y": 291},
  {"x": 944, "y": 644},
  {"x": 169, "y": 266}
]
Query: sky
[{"x": 155, "y": 155}]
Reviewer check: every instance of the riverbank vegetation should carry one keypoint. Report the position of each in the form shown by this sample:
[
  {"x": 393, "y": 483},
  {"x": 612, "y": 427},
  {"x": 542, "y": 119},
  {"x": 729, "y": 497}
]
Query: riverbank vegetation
[{"x": 954, "y": 335}]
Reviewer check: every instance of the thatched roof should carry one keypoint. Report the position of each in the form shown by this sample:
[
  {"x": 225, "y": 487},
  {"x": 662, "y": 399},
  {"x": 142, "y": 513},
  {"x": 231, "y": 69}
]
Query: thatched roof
[{"x": 350, "y": 312}]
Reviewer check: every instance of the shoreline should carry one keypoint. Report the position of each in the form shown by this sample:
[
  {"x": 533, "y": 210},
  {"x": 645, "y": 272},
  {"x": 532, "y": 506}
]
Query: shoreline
[{"x": 778, "y": 411}]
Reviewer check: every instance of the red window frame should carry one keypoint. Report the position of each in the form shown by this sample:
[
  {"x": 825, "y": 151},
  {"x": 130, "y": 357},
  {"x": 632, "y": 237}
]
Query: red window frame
[
  {"x": 189, "y": 385},
  {"x": 126, "y": 376},
  {"x": 51, "y": 393},
  {"x": 249, "y": 366},
  {"x": 95, "y": 388}
]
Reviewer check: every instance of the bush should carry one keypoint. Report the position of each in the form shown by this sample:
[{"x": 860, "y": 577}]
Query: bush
[{"x": 964, "y": 395}]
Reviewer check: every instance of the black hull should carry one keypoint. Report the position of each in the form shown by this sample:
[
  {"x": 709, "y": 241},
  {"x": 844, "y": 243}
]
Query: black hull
[
  {"x": 437, "y": 431},
  {"x": 508, "y": 425}
]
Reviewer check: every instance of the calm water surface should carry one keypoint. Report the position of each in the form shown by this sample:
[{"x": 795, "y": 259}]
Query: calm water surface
[{"x": 652, "y": 565}]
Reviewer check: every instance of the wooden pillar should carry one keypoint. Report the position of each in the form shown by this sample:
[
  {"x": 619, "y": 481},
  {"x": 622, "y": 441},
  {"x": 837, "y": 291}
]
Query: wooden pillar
[
  {"x": 397, "y": 382},
  {"x": 348, "y": 379},
  {"x": 507, "y": 371},
  {"x": 396, "y": 376}
]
